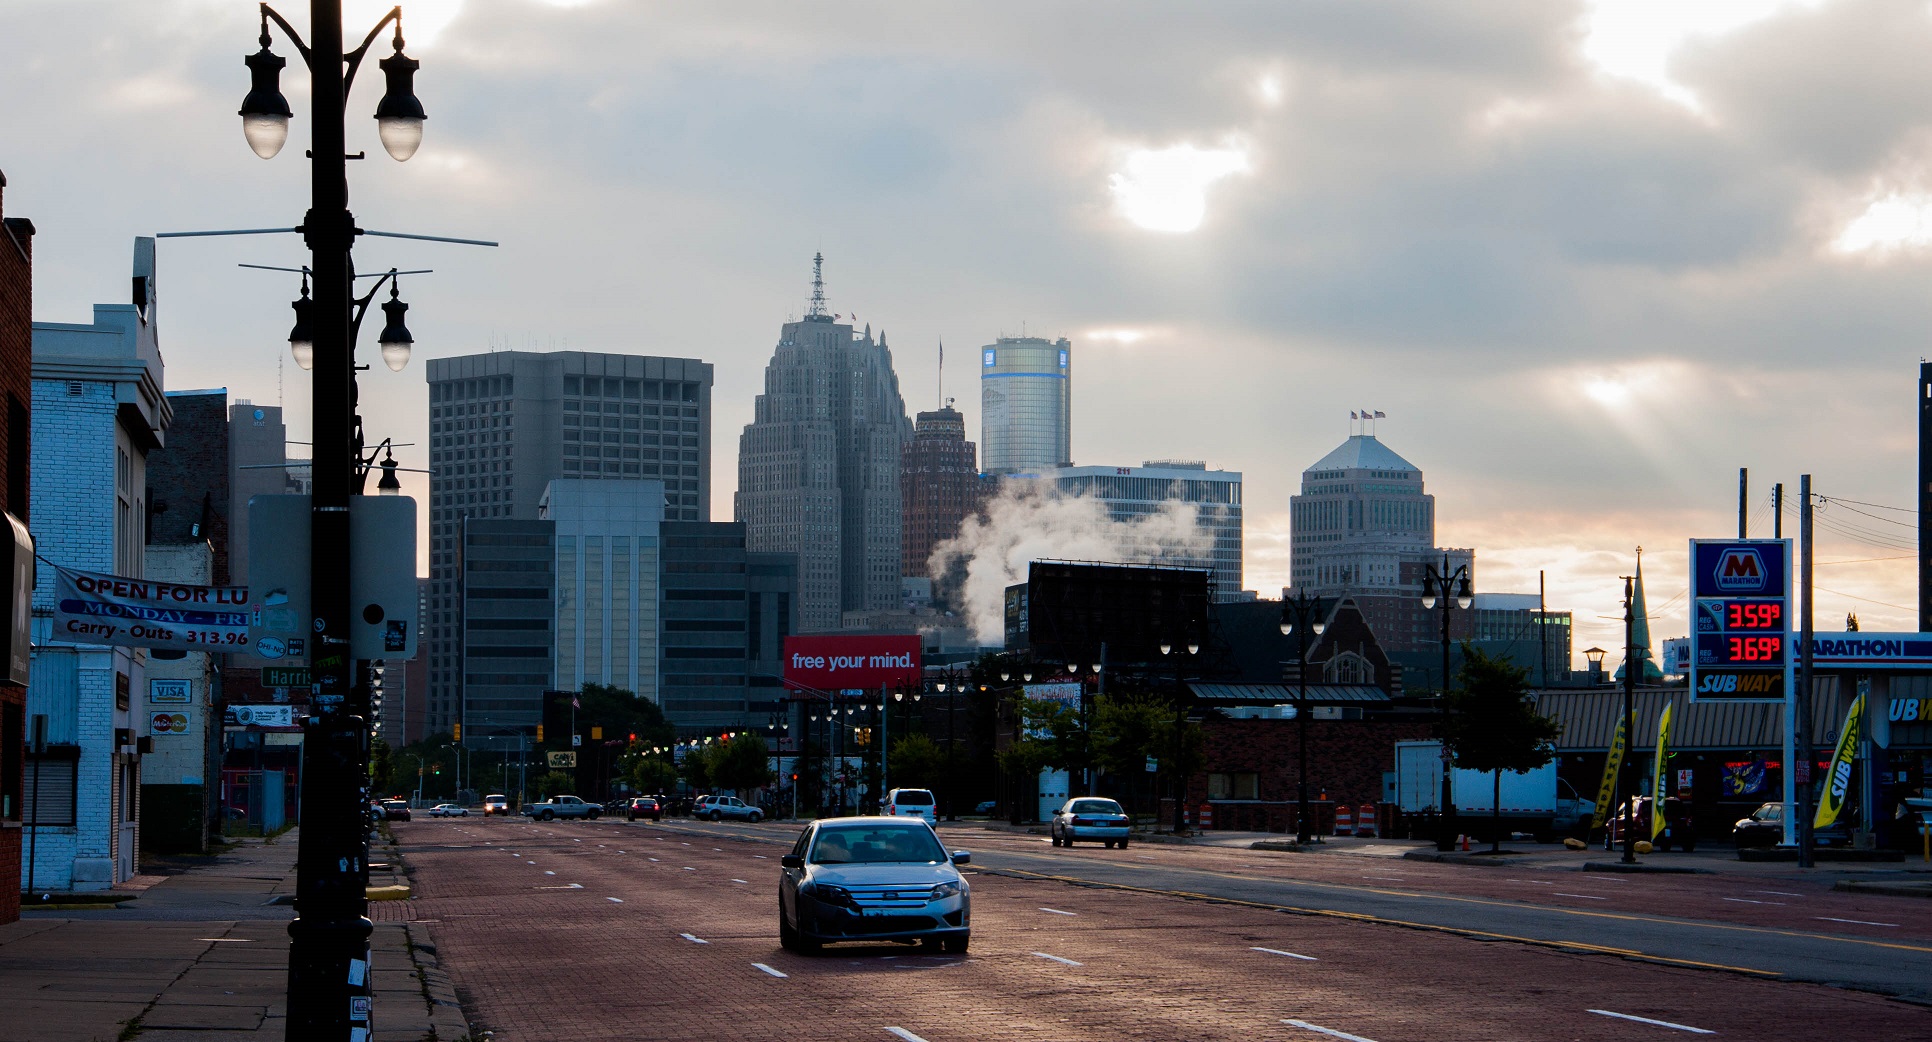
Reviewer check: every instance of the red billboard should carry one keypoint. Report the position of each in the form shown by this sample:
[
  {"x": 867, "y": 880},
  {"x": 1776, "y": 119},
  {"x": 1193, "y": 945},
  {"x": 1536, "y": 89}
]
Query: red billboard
[{"x": 846, "y": 663}]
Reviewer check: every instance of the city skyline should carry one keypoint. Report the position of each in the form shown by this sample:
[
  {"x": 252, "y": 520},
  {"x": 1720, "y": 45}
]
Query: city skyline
[{"x": 1589, "y": 273}]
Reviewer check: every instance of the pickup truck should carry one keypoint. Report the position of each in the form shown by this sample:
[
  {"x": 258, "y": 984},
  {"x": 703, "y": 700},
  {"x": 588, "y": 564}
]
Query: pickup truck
[{"x": 562, "y": 807}]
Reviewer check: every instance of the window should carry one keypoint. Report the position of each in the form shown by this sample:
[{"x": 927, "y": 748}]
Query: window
[
  {"x": 49, "y": 786},
  {"x": 1240, "y": 786}
]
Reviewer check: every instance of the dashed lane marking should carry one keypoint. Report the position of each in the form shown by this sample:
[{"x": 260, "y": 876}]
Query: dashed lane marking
[
  {"x": 1330, "y": 1032},
  {"x": 688, "y": 868},
  {"x": 1056, "y": 911},
  {"x": 1586, "y": 897},
  {"x": 615, "y": 900},
  {"x": 768, "y": 969},
  {"x": 547, "y": 872},
  {"x": 1861, "y": 922},
  {"x": 761, "y": 857},
  {"x": 694, "y": 940},
  {"x": 904, "y": 1034},
  {"x": 1780, "y": 893},
  {"x": 1291, "y": 955},
  {"x": 741, "y": 881},
  {"x": 1056, "y": 958},
  {"x": 1754, "y": 901},
  {"x": 1647, "y": 1020}
]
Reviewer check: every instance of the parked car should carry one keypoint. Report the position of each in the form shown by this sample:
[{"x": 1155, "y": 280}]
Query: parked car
[
  {"x": 718, "y": 808},
  {"x": 448, "y": 810},
  {"x": 645, "y": 807},
  {"x": 909, "y": 803},
  {"x": 1765, "y": 828},
  {"x": 395, "y": 810},
  {"x": 1679, "y": 829},
  {"x": 496, "y": 804},
  {"x": 986, "y": 806},
  {"x": 872, "y": 879},
  {"x": 1090, "y": 818}
]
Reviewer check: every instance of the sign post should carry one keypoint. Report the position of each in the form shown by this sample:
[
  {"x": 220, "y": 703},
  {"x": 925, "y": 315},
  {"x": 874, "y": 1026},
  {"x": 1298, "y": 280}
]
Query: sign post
[{"x": 1741, "y": 645}]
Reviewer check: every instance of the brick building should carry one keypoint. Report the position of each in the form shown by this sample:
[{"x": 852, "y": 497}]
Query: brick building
[
  {"x": 16, "y": 354},
  {"x": 940, "y": 486},
  {"x": 98, "y": 410}
]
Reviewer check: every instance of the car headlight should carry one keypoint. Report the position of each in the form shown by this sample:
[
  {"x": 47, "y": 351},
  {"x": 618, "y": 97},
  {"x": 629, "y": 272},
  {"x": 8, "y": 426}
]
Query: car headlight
[
  {"x": 947, "y": 890},
  {"x": 826, "y": 893}
]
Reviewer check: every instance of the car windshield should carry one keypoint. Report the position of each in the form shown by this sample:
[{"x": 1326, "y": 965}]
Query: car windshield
[
  {"x": 1770, "y": 812},
  {"x": 1096, "y": 807},
  {"x": 913, "y": 798},
  {"x": 876, "y": 844}
]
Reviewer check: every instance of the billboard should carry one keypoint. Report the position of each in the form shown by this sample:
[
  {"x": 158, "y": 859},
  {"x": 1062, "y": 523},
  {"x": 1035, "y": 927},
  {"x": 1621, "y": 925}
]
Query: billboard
[{"x": 847, "y": 663}]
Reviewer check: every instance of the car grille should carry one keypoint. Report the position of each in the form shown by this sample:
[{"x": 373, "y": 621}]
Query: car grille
[
  {"x": 891, "y": 897},
  {"x": 892, "y": 923}
]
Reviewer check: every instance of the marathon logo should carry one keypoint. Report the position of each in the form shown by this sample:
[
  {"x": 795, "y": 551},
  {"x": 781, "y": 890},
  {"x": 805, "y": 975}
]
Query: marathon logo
[
  {"x": 1740, "y": 570},
  {"x": 1840, "y": 647}
]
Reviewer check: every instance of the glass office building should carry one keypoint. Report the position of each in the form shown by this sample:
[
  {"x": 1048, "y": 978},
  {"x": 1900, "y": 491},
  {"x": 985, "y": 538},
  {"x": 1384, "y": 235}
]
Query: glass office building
[
  {"x": 1131, "y": 494},
  {"x": 1026, "y": 405}
]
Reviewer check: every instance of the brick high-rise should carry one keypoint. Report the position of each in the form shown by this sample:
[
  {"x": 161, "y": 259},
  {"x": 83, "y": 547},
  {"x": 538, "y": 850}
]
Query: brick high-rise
[
  {"x": 16, "y": 354},
  {"x": 939, "y": 484}
]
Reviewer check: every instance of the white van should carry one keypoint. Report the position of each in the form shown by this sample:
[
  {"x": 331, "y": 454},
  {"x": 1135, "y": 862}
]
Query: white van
[{"x": 909, "y": 803}]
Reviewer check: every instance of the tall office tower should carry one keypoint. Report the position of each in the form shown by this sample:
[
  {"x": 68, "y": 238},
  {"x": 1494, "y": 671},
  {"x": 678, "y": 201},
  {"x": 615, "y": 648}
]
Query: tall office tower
[
  {"x": 607, "y": 582},
  {"x": 503, "y": 425},
  {"x": 257, "y": 466},
  {"x": 940, "y": 486},
  {"x": 727, "y": 613},
  {"x": 1363, "y": 527},
  {"x": 506, "y": 597},
  {"x": 1132, "y": 493},
  {"x": 818, "y": 466},
  {"x": 1026, "y": 405}
]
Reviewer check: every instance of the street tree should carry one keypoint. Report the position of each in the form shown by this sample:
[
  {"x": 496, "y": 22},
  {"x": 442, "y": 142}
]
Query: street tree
[
  {"x": 740, "y": 764},
  {"x": 1127, "y": 729},
  {"x": 1494, "y": 726},
  {"x": 916, "y": 761},
  {"x": 653, "y": 774},
  {"x": 555, "y": 783},
  {"x": 1056, "y": 727},
  {"x": 381, "y": 766}
]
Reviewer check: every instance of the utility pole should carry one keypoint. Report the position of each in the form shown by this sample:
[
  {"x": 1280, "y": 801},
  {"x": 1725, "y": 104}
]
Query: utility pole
[
  {"x": 1631, "y": 667},
  {"x": 1743, "y": 505},
  {"x": 1803, "y": 714}
]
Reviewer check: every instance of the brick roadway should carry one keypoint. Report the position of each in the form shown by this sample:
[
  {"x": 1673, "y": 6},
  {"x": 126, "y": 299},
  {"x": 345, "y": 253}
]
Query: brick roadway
[{"x": 576, "y": 931}]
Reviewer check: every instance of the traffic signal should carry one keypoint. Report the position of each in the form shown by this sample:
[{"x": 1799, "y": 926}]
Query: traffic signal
[
  {"x": 458, "y": 735},
  {"x": 596, "y": 733},
  {"x": 794, "y": 775},
  {"x": 633, "y": 736},
  {"x": 539, "y": 732}
]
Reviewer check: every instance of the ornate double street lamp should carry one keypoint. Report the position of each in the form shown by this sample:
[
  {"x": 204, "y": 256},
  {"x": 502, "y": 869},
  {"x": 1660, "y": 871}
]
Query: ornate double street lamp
[
  {"x": 1177, "y": 780},
  {"x": 1440, "y": 587},
  {"x": 1301, "y": 615}
]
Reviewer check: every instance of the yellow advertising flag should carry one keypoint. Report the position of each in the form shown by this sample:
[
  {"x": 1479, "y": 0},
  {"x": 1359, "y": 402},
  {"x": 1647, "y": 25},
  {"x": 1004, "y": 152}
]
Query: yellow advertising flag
[
  {"x": 1831, "y": 802},
  {"x": 1657, "y": 793},
  {"x": 1607, "y": 790}
]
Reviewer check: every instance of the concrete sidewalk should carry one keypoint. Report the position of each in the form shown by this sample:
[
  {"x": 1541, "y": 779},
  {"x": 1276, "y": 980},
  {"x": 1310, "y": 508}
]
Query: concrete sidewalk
[{"x": 201, "y": 953}]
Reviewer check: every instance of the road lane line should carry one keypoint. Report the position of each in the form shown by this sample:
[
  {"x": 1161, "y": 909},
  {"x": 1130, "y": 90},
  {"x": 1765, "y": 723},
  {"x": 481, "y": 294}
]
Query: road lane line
[
  {"x": 547, "y": 872},
  {"x": 1861, "y": 922},
  {"x": 904, "y": 1034},
  {"x": 1056, "y": 958},
  {"x": 747, "y": 881},
  {"x": 694, "y": 940},
  {"x": 1330, "y": 1032},
  {"x": 1647, "y": 1020},
  {"x": 688, "y": 868},
  {"x": 1586, "y": 897},
  {"x": 653, "y": 859},
  {"x": 1291, "y": 955},
  {"x": 1056, "y": 911},
  {"x": 1780, "y": 893},
  {"x": 615, "y": 900},
  {"x": 1754, "y": 901},
  {"x": 761, "y": 857},
  {"x": 768, "y": 969}
]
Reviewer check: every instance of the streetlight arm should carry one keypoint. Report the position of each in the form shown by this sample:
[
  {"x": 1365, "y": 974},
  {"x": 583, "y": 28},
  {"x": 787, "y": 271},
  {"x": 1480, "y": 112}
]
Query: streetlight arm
[
  {"x": 294, "y": 37},
  {"x": 354, "y": 58}
]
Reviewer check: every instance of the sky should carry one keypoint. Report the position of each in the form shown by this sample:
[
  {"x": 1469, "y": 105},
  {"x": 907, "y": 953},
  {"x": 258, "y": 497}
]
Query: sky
[{"x": 1590, "y": 258}]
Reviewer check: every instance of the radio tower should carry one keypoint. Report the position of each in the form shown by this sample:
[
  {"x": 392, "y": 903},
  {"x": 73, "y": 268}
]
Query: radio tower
[{"x": 817, "y": 309}]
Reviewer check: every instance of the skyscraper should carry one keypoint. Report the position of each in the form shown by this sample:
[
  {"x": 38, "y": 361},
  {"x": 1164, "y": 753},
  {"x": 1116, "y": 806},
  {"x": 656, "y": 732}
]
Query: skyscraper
[
  {"x": 1026, "y": 405},
  {"x": 1363, "y": 527},
  {"x": 818, "y": 466},
  {"x": 940, "y": 485},
  {"x": 503, "y": 425},
  {"x": 1132, "y": 493}
]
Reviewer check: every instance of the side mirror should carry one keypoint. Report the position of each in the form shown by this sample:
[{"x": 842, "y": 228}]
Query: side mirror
[
  {"x": 792, "y": 861},
  {"x": 1057, "y": 813},
  {"x": 961, "y": 857}
]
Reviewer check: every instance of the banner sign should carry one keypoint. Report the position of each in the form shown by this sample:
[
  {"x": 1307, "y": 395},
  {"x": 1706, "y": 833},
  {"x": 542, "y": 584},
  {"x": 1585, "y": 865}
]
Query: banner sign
[
  {"x": 1831, "y": 802},
  {"x": 260, "y": 716},
  {"x": 1607, "y": 791},
  {"x": 849, "y": 663},
  {"x": 93, "y": 608},
  {"x": 168, "y": 724},
  {"x": 1657, "y": 790}
]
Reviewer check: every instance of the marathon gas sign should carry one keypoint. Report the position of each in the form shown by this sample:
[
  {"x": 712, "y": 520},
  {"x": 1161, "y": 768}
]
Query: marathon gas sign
[{"x": 845, "y": 663}]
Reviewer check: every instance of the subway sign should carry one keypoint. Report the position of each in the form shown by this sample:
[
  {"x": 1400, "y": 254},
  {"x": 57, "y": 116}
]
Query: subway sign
[{"x": 1742, "y": 648}]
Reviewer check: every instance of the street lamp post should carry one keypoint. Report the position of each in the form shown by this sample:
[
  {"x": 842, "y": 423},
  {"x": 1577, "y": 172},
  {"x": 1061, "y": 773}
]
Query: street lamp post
[
  {"x": 1441, "y": 586},
  {"x": 328, "y": 981},
  {"x": 1301, "y": 615},
  {"x": 1178, "y": 780},
  {"x": 1631, "y": 667}
]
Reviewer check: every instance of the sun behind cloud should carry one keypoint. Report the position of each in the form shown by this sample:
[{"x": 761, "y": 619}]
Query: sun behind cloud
[{"x": 1165, "y": 190}]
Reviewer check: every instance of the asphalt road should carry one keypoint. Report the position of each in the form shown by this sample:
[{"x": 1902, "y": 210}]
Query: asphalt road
[{"x": 608, "y": 930}]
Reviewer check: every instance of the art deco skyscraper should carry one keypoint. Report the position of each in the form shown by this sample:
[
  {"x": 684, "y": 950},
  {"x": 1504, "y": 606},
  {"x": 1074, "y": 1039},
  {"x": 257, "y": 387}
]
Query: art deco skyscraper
[{"x": 818, "y": 466}]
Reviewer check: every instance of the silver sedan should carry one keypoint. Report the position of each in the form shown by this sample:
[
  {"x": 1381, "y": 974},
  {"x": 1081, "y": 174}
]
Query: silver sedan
[
  {"x": 873, "y": 879},
  {"x": 1090, "y": 818}
]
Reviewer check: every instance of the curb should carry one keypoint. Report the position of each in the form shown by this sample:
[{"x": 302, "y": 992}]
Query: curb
[
  {"x": 1644, "y": 868},
  {"x": 443, "y": 1009},
  {"x": 1457, "y": 857},
  {"x": 1858, "y": 886}
]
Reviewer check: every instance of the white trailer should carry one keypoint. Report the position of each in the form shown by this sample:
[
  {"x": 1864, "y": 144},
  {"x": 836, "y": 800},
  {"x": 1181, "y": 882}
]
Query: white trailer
[{"x": 1535, "y": 802}]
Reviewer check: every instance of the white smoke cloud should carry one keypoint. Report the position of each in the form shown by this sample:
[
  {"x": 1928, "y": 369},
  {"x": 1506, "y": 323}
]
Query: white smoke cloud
[{"x": 1034, "y": 521}]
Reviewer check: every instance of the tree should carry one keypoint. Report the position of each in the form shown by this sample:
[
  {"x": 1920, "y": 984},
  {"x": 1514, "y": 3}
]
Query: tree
[
  {"x": 555, "y": 783},
  {"x": 1055, "y": 727},
  {"x": 1019, "y": 762},
  {"x": 739, "y": 764},
  {"x": 381, "y": 766},
  {"x": 622, "y": 714},
  {"x": 1127, "y": 729},
  {"x": 916, "y": 761},
  {"x": 651, "y": 774},
  {"x": 696, "y": 768},
  {"x": 1494, "y": 726}
]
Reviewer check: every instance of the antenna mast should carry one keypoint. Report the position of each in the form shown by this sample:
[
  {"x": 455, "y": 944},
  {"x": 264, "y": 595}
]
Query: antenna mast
[{"x": 817, "y": 310}]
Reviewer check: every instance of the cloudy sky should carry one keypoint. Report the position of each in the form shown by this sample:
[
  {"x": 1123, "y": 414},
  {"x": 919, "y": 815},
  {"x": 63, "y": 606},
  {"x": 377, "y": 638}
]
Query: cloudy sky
[{"x": 1589, "y": 257}]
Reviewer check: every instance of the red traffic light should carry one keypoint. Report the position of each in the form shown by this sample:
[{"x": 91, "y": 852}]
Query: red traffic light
[{"x": 794, "y": 775}]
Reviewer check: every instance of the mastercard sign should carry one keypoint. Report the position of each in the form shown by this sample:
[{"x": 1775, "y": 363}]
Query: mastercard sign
[{"x": 168, "y": 723}]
